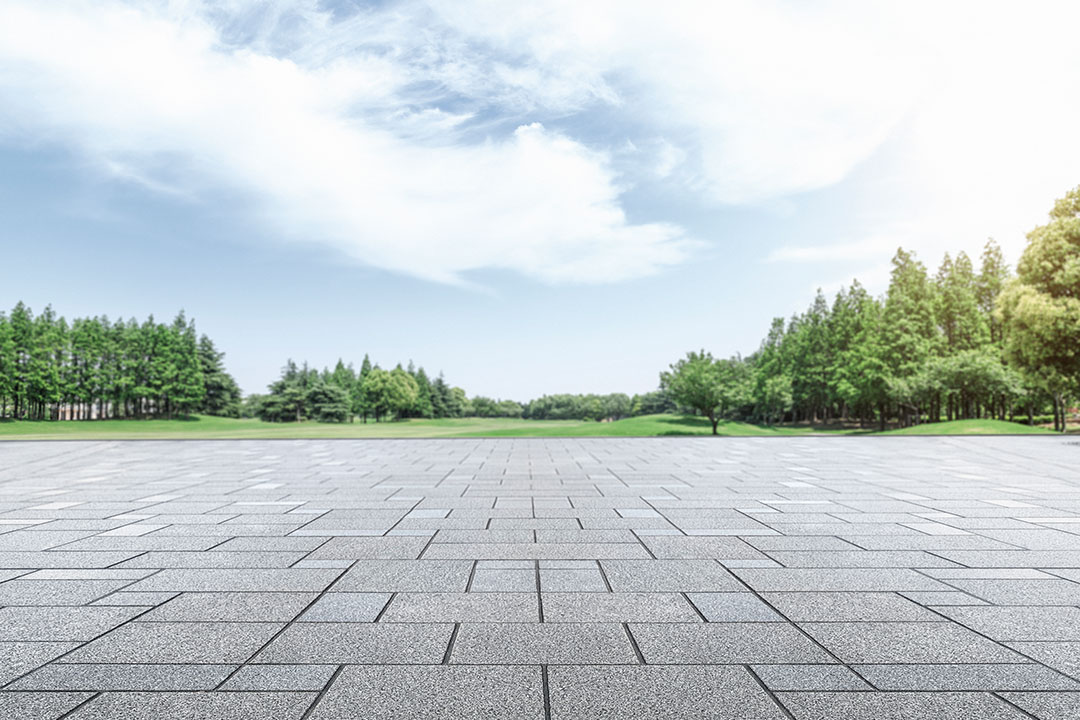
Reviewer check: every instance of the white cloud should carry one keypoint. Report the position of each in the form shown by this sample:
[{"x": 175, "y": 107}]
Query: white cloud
[
  {"x": 438, "y": 137},
  {"x": 150, "y": 94}
]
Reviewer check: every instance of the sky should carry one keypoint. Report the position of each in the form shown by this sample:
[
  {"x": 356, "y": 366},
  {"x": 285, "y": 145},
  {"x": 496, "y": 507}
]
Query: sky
[{"x": 531, "y": 198}]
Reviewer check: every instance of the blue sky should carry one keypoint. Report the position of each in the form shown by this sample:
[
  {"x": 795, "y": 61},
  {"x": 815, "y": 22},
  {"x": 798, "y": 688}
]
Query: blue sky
[{"x": 560, "y": 199}]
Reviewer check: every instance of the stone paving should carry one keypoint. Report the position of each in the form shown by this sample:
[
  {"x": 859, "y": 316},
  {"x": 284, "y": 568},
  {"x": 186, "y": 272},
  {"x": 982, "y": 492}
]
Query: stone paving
[{"x": 744, "y": 579}]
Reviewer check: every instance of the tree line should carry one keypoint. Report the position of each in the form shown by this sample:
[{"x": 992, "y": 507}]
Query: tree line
[
  {"x": 94, "y": 368},
  {"x": 345, "y": 394},
  {"x": 961, "y": 343}
]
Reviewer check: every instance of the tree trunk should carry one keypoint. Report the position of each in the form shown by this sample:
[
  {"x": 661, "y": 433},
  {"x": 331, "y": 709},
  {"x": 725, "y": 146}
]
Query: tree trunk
[{"x": 715, "y": 421}]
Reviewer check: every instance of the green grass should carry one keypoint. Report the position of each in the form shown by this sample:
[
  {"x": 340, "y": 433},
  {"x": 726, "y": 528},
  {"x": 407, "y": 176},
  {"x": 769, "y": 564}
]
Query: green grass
[
  {"x": 206, "y": 427},
  {"x": 972, "y": 427}
]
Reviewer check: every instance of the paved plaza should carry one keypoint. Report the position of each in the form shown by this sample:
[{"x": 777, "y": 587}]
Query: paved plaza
[{"x": 747, "y": 579}]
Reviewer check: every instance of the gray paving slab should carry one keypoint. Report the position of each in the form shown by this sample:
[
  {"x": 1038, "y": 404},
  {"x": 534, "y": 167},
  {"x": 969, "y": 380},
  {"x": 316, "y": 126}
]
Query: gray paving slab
[
  {"x": 667, "y": 577},
  {"x": 366, "y": 643},
  {"x": 39, "y": 705},
  {"x": 898, "y": 706},
  {"x": 658, "y": 692},
  {"x": 346, "y": 607},
  {"x": 434, "y": 692},
  {"x": 231, "y": 607},
  {"x": 997, "y": 677},
  {"x": 62, "y": 623},
  {"x": 280, "y": 677},
  {"x": 125, "y": 676},
  {"x": 195, "y": 705},
  {"x": 545, "y": 643},
  {"x": 743, "y": 642},
  {"x": 810, "y": 677},
  {"x": 617, "y": 607},
  {"x": 908, "y": 642},
  {"x": 463, "y": 607},
  {"x": 1048, "y": 705},
  {"x": 177, "y": 642}
]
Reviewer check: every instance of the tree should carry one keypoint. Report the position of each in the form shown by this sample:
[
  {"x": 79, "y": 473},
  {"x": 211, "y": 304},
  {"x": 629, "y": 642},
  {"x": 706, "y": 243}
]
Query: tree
[
  {"x": 424, "y": 407},
  {"x": 696, "y": 382},
  {"x": 909, "y": 327},
  {"x": 7, "y": 365},
  {"x": 1040, "y": 309},
  {"x": 993, "y": 276},
  {"x": 222, "y": 394},
  {"x": 963, "y": 324},
  {"x": 327, "y": 402}
]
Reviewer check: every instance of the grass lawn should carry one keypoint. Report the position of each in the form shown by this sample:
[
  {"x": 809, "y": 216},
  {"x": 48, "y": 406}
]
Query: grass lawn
[
  {"x": 205, "y": 427},
  {"x": 972, "y": 427}
]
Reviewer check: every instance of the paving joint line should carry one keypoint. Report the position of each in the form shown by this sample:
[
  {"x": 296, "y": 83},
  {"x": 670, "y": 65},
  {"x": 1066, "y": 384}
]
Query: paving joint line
[
  {"x": 322, "y": 693},
  {"x": 287, "y": 625}
]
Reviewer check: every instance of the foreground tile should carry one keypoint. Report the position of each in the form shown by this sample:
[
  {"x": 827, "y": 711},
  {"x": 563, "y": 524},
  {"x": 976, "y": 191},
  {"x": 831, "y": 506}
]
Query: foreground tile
[
  {"x": 909, "y": 642},
  {"x": 177, "y": 642},
  {"x": 686, "y": 644},
  {"x": 1048, "y": 705},
  {"x": 658, "y": 693},
  {"x": 74, "y": 676},
  {"x": 61, "y": 623},
  {"x": 195, "y": 705},
  {"x": 437, "y": 692},
  {"x": 545, "y": 643},
  {"x": 39, "y": 705},
  {"x": 965, "y": 677},
  {"x": 18, "y": 658},
  {"x": 361, "y": 643},
  {"x": 897, "y": 706},
  {"x": 463, "y": 607},
  {"x": 617, "y": 607}
]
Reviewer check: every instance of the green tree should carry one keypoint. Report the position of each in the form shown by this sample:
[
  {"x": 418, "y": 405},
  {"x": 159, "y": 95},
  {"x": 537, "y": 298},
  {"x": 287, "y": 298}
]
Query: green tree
[
  {"x": 696, "y": 382},
  {"x": 992, "y": 278},
  {"x": 222, "y": 394},
  {"x": 1040, "y": 309}
]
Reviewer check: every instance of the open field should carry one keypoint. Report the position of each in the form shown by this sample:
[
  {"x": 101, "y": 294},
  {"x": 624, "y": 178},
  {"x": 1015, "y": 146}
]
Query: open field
[
  {"x": 972, "y": 427},
  {"x": 210, "y": 428}
]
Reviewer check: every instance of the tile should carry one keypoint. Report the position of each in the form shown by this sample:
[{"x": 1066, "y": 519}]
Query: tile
[
  {"x": 231, "y": 607},
  {"x": 463, "y": 607},
  {"x": 406, "y": 576},
  {"x": 273, "y": 678},
  {"x": 177, "y": 642},
  {"x": 461, "y": 692},
  {"x": 18, "y": 658},
  {"x": 734, "y": 607},
  {"x": 743, "y": 642},
  {"x": 576, "y": 607},
  {"x": 346, "y": 607},
  {"x": 849, "y": 606},
  {"x": 324, "y": 643},
  {"x": 61, "y": 623},
  {"x": 896, "y": 706},
  {"x": 810, "y": 678},
  {"x": 675, "y": 693},
  {"x": 195, "y": 705},
  {"x": 545, "y": 643},
  {"x": 126, "y": 676},
  {"x": 692, "y": 575},
  {"x": 908, "y": 642},
  {"x": 965, "y": 677},
  {"x": 39, "y": 705},
  {"x": 1048, "y": 705}
]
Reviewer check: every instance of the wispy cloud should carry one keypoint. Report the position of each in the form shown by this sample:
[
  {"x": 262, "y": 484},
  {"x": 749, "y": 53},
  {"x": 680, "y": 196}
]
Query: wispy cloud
[
  {"x": 327, "y": 153},
  {"x": 440, "y": 137}
]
